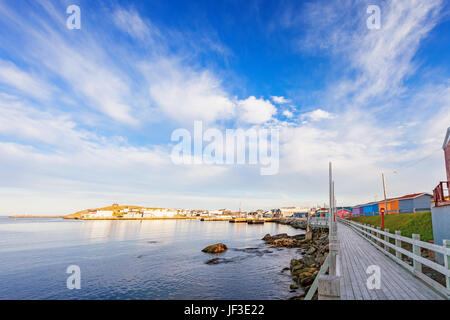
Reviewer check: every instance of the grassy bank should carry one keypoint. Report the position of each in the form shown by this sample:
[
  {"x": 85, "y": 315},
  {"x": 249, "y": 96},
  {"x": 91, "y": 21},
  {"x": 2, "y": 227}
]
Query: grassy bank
[{"x": 407, "y": 223}]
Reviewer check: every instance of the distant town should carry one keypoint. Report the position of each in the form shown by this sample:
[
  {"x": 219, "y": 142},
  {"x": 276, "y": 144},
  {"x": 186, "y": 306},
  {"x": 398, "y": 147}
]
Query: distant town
[{"x": 408, "y": 203}]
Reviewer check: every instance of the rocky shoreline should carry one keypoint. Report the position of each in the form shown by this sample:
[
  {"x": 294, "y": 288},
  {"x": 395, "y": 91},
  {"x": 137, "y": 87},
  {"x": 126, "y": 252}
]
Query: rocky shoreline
[{"x": 314, "y": 252}]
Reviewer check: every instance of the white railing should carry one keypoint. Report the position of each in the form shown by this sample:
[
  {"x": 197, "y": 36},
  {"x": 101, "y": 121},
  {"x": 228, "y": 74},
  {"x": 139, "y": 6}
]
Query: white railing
[
  {"x": 319, "y": 222},
  {"x": 381, "y": 240}
]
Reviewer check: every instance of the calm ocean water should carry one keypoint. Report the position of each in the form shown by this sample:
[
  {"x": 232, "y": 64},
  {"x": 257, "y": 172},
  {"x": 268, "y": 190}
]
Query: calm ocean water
[{"x": 141, "y": 260}]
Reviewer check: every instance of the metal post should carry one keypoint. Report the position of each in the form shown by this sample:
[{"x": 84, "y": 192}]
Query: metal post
[
  {"x": 385, "y": 201},
  {"x": 332, "y": 237},
  {"x": 330, "y": 214},
  {"x": 334, "y": 206}
]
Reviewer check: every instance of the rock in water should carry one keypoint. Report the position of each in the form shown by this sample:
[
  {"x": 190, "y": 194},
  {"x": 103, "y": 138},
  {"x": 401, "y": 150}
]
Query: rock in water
[
  {"x": 267, "y": 237},
  {"x": 215, "y": 248}
]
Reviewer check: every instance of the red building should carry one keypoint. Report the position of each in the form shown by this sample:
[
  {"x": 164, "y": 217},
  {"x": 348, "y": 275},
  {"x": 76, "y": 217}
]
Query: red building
[
  {"x": 441, "y": 193},
  {"x": 440, "y": 212},
  {"x": 446, "y": 148}
]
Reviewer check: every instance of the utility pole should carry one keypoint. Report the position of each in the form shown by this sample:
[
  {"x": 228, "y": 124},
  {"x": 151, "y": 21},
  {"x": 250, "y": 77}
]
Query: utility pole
[
  {"x": 386, "y": 211},
  {"x": 385, "y": 202},
  {"x": 329, "y": 285},
  {"x": 330, "y": 215}
]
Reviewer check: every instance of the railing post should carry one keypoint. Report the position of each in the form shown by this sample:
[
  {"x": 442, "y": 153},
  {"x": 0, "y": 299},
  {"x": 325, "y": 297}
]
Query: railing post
[
  {"x": 416, "y": 251},
  {"x": 386, "y": 238},
  {"x": 329, "y": 287},
  {"x": 378, "y": 235},
  {"x": 447, "y": 263},
  {"x": 398, "y": 244}
]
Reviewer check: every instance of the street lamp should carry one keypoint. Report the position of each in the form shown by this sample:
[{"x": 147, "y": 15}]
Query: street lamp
[{"x": 385, "y": 199}]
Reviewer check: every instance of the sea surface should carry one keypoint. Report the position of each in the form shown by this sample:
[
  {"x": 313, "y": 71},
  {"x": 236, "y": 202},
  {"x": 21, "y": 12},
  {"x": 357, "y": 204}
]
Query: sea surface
[{"x": 160, "y": 259}]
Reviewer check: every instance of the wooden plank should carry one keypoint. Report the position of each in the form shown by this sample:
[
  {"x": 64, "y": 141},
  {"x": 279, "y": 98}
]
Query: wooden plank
[
  {"x": 358, "y": 280},
  {"x": 427, "y": 293},
  {"x": 408, "y": 281},
  {"x": 357, "y": 294},
  {"x": 398, "y": 282},
  {"x": 414, "y": 256},
  {"x": 366, "y": 248}
]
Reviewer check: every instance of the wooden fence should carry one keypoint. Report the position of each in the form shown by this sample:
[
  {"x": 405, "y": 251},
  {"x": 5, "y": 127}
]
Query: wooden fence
[{"x": 382, "y": 240}]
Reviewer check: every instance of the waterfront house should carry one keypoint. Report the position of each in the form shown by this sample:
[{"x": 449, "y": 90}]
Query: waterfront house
[
  {"x": 358, "y": 210},
  {"x": 409, "y": 203},
  {"x": 321, "y": 212},
  {"x": 446, "y": 148},
  {"x": 290, "y": 211},
  {"x": 415, "y": 203},
  {"x": 104, "y": 213},
  {"x": 371, "y": 209},
  {"x": 440, "y": 212},
  {"x": 344, "y": 212}
]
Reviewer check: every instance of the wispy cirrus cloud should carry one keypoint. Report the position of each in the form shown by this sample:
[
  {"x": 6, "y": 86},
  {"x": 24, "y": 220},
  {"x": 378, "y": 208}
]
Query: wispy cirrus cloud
[{"x": 89, "y": 110}]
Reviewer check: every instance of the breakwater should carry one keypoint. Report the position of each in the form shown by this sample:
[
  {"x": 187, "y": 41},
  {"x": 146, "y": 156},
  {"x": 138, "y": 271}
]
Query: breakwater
[{"x": 313, "y": 252}]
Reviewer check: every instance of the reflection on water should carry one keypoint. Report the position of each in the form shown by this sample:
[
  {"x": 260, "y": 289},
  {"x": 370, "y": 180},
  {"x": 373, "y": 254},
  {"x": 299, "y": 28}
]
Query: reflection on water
[{"x": 158, "y": 259}]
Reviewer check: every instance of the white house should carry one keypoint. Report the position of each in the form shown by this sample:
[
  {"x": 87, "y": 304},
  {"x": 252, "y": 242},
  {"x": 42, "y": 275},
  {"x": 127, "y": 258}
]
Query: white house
[
  {"x": 289, "y": 211},
  {"x": 104, "y": 213}
]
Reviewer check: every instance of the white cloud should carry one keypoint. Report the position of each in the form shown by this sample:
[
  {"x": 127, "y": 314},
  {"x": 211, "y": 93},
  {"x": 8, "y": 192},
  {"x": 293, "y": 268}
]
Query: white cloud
[
  {"x": 253, "y": 110},
  {"x": 280, "y": 100},
  {"x": 377, "y": 61},
  {"x": 186, "y": 95},
  {"x": 131, "y": 22},
  {"x": 27, "y": 83},
  {"x": 288, "y": 114},
  {"x": 317, "y": 115}
]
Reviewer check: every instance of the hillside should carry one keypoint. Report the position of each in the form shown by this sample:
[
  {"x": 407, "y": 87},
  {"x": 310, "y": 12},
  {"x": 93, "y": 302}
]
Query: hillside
[
  {"x": 407, "y": 223},
  {"x": 77, "y": 215}
]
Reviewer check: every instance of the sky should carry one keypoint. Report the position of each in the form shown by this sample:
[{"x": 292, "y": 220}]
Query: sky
[{"x": 86, "y": 115}]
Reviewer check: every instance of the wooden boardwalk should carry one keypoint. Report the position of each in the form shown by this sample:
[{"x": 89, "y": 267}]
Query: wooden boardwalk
[{"x": 356, "y": 254}]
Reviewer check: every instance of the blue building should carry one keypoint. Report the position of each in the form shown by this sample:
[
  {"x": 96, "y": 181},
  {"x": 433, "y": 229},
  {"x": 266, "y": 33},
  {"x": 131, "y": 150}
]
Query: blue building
[{"x": 371, "y": 209}]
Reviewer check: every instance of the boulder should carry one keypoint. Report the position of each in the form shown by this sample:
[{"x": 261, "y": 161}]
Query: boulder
[
  {"x": 215, "y": 248},
  {"x": 213, "y": 261},
  {"x": 293, "y": 286},
  {"x": 281, "y": 235},
  {"x": 267, "y": 237},
  {"x": 308, "y": 260},
  {"x": 311, "y": 250},
  {"x": 284, "y": 242},
  {"x": 307, "y": 281}
]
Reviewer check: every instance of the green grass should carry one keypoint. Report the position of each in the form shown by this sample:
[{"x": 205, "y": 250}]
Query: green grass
[{"x": 407, "y": 223}]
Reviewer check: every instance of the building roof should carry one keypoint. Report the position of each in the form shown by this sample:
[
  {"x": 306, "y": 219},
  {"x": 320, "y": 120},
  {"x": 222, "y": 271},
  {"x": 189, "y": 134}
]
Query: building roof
[
  {"x": 409, "y": 196},
  {"x": 447, "y": 139}
]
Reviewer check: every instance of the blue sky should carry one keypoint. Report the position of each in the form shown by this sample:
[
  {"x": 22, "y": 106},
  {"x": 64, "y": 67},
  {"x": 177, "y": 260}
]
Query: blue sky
[{"x": 86, "y": 115}]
